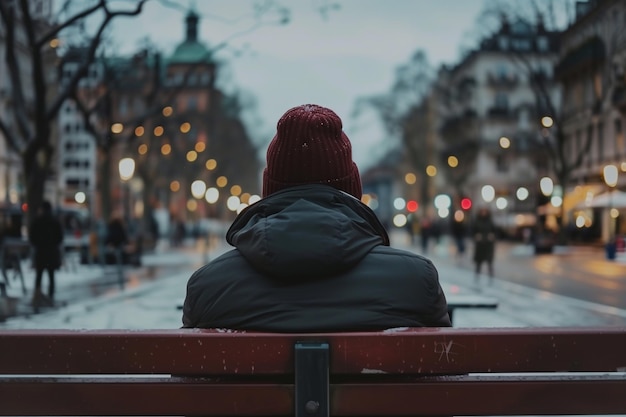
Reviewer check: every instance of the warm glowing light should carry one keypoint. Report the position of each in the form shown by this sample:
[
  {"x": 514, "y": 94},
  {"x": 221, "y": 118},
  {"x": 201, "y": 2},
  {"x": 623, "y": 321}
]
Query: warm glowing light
[
  {"x": 200, "y": 146},
  {"x": 365, "y": 199},
  {"x": 614, "y": 213},
  {"x": 245, "y": 198},
  {"x": 235, "y": 190},
  {"x": 466, "y": 203},
  {"x": 622, "y": 166},
  {"x": 221, "y": 181},
  {"x": 117, "y": 128},
  {"x": 610, "y": 175},
  {"x": 174, "y": 186},
  {"x": 211, "y": 164},
  {"x": 54, "y": 43},
  {"x": 522, "y": 193},
  {"x": 198, "y": 188},
  {"x": 192, "y": 156},
  {"x": 80, "y": 197},
  {"x": 167, "y": 111},
  {"x": 412, "y": 206},
  {"x": 212, "y": 195},
  {"x": 139, "y": 131},
  {"x": 505, "y": 143},
  {"x": 556, "y": 200},
  {"x": 410, "y": 178},
  {"x": 546, "y": 121},
  {"x": 442, "y": 201},
  {"x": 459, "y": 216},
  {"x": 453, "y": 161},
  {"x": 399, "y": 220},
  {"x": 166, "y": 149},
  {"x": 158, "y": 131},
  {"x": 488, "y": 193},
  {"x": 185, "y": 127},
  {"x": 126, "y": 168},
  {"x": 546, "y": 185},
  {"x": 142, "y": 149},
  {"x": 431, "y": 170},
  {"x": 192, "y": 205},
  {"x": 233, "y": 203}
]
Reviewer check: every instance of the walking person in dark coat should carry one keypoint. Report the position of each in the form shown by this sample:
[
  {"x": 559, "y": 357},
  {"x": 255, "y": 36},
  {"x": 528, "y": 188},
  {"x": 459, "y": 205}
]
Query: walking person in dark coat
[
  {"x": 459, "y": 232},
  {"x": 46, "y": 236},
  {"x": 484, "y": 231},
  {"x": 310, "y": 256}
]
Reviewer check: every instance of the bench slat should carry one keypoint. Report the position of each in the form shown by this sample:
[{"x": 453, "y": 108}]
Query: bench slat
[
  {"x": 463, "y": 395},
  {"x": 415, "y": 351}
]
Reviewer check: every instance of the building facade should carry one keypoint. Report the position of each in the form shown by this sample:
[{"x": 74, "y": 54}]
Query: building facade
[
  {"x": 592, "y": 71},
  {"x": 489, "y": 115}
]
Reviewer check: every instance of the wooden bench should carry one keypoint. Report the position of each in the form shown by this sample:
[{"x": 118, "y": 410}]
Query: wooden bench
[{"x": 400, "y": 372}]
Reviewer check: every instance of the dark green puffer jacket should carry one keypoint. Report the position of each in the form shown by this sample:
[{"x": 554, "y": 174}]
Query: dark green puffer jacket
[{"x": 311, "y": 258}]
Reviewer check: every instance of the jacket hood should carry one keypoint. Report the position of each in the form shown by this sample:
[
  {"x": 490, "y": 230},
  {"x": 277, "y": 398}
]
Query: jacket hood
[{"x": 305, "y": 232}]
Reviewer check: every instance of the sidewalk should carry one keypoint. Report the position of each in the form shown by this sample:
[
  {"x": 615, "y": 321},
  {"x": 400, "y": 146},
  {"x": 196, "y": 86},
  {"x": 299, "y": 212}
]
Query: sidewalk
[{"x": 152, "y": 303}]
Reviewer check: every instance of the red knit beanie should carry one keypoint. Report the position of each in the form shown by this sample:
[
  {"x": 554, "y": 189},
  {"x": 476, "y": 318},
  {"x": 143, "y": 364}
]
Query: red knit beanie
[{"x": 310, "y": 148}]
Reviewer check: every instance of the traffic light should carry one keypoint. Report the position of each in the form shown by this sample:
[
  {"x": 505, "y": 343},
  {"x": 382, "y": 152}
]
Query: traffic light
[
  {"x": 466, "y": 203},
  {"x": 411, "y": 206}
]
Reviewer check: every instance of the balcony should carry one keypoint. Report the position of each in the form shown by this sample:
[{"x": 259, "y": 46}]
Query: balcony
[
  {"x": 502, "y": 80},
  {"x": 457, "y": 124},
  {"x": 501, "y": 113}
]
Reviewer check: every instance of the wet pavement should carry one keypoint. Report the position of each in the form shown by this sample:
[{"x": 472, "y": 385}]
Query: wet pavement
[{"x": 92, "y": 299}]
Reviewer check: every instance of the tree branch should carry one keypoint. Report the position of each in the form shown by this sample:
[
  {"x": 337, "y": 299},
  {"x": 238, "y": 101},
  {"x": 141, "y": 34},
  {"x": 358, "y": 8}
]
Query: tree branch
[
  {"x": 19, "y": 103},
  {"x": 94, "y": 44}
]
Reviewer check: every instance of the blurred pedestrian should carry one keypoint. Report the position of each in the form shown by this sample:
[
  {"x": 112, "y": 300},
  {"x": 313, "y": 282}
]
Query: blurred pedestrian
[
  {"x": 426, "y": 229},
  {"x": 459, "y": 232},
  {"x": 484, "y": 232},
  {"x": 310, "y": 256},
  {"x": 117, "y": 237},
  {"x": 46, "y": 236}
]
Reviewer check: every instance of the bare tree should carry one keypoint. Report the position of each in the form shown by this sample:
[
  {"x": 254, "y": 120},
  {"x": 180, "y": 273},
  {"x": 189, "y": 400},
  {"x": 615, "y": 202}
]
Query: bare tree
[
  {"x": 34, "y": 105},
  {"x": 405, "y": 113}
]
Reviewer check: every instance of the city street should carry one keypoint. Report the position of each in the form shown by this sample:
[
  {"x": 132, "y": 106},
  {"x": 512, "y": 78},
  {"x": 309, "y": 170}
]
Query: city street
[
  {"x": 153, "y": 293},
  {"x": 579, "y": 272}
]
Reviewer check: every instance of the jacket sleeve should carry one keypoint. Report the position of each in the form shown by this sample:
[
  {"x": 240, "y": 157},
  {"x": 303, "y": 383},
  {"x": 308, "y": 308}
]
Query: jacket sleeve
[{"x": 438, "y": 316}]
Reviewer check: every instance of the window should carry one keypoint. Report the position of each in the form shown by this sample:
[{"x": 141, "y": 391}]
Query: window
[
  {"x": 543, "y": 44},
  {"x": 503, "y": 43},
  {"x": 501, "y": 101}
]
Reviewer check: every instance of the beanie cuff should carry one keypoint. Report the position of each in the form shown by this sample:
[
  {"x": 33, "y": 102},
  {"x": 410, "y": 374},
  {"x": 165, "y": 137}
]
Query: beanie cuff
[{"x": 351, "y": 183}]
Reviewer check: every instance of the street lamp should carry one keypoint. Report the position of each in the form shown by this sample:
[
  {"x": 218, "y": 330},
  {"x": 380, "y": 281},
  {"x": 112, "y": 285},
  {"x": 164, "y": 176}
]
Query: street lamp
[
  {"x": 127, "y": 170},
  {"x": 610, "y": 178}
]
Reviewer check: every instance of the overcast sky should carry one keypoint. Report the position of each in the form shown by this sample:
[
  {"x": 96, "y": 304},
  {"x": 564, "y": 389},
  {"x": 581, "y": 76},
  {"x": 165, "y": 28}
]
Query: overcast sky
[{"x": 331, "y": 61}]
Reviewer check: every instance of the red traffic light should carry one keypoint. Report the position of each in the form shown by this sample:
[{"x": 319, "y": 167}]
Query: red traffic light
[
  {"x": 466, "y": 203},
  {"x": 412, "y": 206}
]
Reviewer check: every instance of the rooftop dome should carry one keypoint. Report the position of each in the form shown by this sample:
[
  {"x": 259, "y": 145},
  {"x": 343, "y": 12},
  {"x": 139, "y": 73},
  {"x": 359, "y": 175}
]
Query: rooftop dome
[{"x": 191, "y": 50}]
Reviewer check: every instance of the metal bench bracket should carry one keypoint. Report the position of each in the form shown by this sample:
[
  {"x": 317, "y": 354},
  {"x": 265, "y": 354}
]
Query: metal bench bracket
[{"x": 311, "y": 379}]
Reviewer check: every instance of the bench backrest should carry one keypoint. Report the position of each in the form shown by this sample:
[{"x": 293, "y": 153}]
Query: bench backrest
[{"x": 426, "y": 371}]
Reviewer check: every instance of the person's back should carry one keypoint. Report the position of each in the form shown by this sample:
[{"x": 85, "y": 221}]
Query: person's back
[{"x": 310, "y": 256}]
